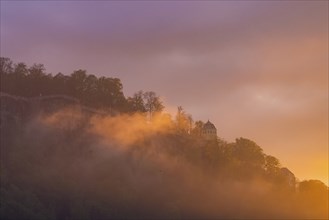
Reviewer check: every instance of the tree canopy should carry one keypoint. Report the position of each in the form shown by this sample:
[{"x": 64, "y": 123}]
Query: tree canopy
[{"x": 98, "y": 92}]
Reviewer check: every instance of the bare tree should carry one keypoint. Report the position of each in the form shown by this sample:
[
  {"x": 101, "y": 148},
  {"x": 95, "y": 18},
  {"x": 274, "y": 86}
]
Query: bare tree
[{"x": 153, "y": 103}]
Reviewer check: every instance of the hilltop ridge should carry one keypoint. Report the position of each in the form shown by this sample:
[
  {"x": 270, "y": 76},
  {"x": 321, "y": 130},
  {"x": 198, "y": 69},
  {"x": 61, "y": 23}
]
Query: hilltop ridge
[{"x": 66, "y": 156}]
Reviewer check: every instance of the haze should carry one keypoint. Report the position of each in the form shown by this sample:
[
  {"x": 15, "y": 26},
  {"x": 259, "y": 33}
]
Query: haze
[{"x": 255, "y": 69}]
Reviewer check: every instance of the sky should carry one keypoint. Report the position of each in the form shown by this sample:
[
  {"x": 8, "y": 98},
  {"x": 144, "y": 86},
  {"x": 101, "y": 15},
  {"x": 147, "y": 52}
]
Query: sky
[{"x": 256, "y": 69}]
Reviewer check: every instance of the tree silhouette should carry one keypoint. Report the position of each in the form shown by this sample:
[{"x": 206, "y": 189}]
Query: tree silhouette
[
  {"x": 196, "y": 131},
  {"x": 248, "y": 152},
  {"x": 136, "y": 102},
  {"x": 183, "y": 121},
  {"x": 153, "y": 103},
  {"x": 272, "y": 165}
]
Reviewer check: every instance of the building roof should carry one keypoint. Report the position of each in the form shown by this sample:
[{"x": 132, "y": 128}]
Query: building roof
[{"x": 209, "y": 125}]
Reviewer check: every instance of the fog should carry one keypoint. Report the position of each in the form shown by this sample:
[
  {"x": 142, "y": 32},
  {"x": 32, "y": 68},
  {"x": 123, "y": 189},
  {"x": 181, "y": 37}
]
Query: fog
[{"x": 91, "y": 166}]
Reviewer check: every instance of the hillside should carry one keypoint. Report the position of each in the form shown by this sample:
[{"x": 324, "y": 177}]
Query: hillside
[{"x": 65, "y": 158}]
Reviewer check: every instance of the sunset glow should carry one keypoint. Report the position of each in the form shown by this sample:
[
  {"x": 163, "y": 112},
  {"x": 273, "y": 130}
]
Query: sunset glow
[{"x": 255, "y": 69}]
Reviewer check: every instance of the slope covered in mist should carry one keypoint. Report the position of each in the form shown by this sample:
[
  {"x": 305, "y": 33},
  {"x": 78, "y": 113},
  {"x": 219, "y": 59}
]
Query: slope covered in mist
[
  {"x": 69, "y": 164},
  {"x": 63, "y": 160}
]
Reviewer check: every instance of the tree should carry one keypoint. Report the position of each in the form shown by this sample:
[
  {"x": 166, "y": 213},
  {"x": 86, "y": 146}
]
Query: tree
[
  {"x": 19, "y": 78},
  {"x": 59, "y": 84},
  {"x": 272, "y": 164},
  {"x": 37, "y": 81},
  {"x": 21, "y": 69},
  {"x": 190, "y": 123},
  {"x": 183, "y": 120},
  {"x": 37, "y": 70},
  {"x": 314, "y": 194},
  {"x": 153, "y": 103},
  {"x": 248, "y": 152},
  {"x": 6, "y": 65},
  {"x": 136, "y": 103},
  {"x": 109, "y": 94},
  {"x": 76, "y": 83},
  {"x": 198, "y": 125},
  {"x": 90, "y": 90}
]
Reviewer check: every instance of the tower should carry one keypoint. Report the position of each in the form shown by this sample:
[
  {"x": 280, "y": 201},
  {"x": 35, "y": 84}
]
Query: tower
[{"x": 209, "y": 131}]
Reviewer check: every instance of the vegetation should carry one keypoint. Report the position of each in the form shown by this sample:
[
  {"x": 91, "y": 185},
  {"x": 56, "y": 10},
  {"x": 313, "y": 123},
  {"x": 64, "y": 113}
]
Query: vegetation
[
  {"x": 103, "y": 92},
  {"x": 56, "y": 166}
]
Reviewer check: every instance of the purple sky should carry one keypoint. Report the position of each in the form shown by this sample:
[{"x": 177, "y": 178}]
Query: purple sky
[{"x": 256, "y": 69}]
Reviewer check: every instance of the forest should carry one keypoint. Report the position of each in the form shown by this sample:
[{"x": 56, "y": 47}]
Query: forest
[{"x": 134, "y": 162}]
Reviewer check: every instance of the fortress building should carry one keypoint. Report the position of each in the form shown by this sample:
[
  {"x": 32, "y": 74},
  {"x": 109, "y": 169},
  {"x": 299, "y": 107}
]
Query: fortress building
[{"x": 209, "y": 131}]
